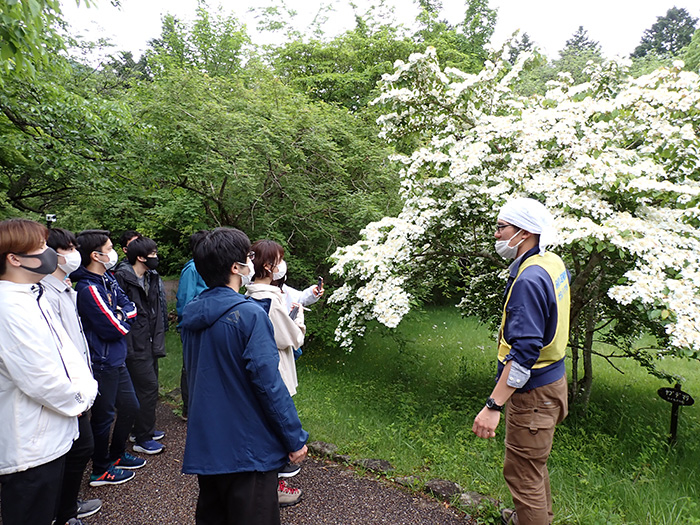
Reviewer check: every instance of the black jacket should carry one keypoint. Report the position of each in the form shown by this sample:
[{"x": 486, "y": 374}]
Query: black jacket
[{"x": 147, "y": 333}]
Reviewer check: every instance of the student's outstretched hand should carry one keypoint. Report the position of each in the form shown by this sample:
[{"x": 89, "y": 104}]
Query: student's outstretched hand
[{"x": 299, "y": 455}]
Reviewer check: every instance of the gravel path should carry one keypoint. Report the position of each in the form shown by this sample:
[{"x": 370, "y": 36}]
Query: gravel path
[{"x": 333, "y": 494}]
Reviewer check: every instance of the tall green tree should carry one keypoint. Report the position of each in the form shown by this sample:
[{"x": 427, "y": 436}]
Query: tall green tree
[
  {"x": 668, "y": 35},
  {"x": 578, "y": 53},
  {"x": 214, "y": 43},
  {"x": 346, "y": 69},
  {"x": 522, "y": 43},
  {"x": 580, "y": 41},
  {"x": 26, "y": 27},
  {"x": 691, "y": 53},
  {"x": 253, "y": 154},
  {"x": 57, "y": 139}
]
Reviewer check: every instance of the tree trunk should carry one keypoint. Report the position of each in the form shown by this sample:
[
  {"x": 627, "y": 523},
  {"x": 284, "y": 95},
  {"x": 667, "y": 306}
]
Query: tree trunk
[
  {"x": 575, "y": 356},
  {"x": 586, "y": 384}
]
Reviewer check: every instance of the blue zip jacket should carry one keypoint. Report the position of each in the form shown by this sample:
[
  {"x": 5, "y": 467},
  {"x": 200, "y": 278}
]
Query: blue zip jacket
[
  {"x": 99, "y": 298},
  {"x": 241, "y": 416}
]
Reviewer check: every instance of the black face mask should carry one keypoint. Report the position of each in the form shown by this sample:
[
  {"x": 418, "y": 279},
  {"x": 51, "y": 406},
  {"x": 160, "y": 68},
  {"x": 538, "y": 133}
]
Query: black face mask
[
  {"x": 48, "y": 259},
  {"x": 152, "y": 262}
]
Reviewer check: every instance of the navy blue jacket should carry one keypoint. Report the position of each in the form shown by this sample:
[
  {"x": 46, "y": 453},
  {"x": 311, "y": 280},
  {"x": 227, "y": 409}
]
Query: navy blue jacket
[
  {"x": 531, "y": 322},
  {"x": 99, "y": 298},
  {"x": 241, "y": 416}
]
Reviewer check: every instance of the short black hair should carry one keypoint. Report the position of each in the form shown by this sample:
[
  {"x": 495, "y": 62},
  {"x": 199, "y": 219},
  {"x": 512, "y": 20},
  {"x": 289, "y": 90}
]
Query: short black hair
[
  {"x": 125, "y": 237},
  {"x": 216, "y": 253},
  {"x": 90, "y": 241},
  {"x": 62, "y": 239},
  {"x": 196, "y": 237},
  {"x": 140, "y": 247}
]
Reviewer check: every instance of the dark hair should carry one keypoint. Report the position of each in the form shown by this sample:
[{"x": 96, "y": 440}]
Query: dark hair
[
  {"x": 90, "y": 241},
  {"x": 61, "y": 239},
  {"x": 125, "y": 237},
  {"x": 216, "y": 253},
  {"x": 140, "y": 247},
  {"x": 196, "y": 237},
  {"x": 268, "y": 253},
  {"x": 20, "y": 236}
]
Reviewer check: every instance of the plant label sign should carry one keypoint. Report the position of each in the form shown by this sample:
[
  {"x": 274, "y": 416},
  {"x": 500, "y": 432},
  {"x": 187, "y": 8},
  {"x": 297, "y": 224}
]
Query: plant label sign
[{"x": 677, "y": 397}]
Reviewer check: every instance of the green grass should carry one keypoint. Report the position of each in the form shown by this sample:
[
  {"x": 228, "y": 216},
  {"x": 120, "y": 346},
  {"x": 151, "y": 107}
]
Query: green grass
[{"x": 412, "y": 399}]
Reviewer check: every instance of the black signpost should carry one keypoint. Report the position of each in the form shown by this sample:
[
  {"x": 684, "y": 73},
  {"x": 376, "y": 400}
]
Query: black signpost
[{"x": 677, "y": 398}]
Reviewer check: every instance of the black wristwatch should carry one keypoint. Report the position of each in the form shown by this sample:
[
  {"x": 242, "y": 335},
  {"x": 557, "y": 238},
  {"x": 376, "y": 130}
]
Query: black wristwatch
[{"x": 491, "y": 405}]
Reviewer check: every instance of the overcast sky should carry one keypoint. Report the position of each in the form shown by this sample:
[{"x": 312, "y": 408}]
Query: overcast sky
[{"x": 617, "y": 24}]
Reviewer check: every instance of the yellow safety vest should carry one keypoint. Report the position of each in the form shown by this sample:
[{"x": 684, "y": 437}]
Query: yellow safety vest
[{"x": 555, "y": 349}]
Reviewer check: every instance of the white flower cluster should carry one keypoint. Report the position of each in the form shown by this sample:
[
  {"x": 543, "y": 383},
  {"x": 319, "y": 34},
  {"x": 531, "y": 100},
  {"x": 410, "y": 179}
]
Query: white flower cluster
[{"x": 616, "y": 159}]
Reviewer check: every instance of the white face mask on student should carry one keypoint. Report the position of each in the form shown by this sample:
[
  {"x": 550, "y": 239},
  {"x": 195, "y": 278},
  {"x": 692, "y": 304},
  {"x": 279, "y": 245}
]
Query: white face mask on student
[
  {"x": 281, "y": 271},
  {"x": 113, "y": 258},
  {"x": 246, "y": 279},
  {"x": 72, "y": 262},
  {"x": 506, "y": 251}
]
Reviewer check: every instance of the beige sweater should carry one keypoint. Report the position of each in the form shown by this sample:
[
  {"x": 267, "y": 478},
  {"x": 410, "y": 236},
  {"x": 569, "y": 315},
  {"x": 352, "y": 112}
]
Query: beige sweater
[{"x": 289, "y": 333}]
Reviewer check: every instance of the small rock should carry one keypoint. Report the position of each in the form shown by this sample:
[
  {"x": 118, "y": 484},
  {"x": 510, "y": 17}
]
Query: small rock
[
  {"x": 341, "y": 458},
  {"x": 322, "y": 448},
  {"x": 474, "y": 499},
  {"x": 443, "y": 488},
  {"x": 377, "y": 465},
  {"x": 408, "y": 481}
]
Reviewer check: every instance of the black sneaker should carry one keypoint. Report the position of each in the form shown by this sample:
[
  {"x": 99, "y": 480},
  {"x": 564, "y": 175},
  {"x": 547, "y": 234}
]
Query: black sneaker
[{"x": 289, "y": 470}]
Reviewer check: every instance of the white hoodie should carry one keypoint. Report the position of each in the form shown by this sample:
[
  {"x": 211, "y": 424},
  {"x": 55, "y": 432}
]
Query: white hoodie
[{"x": 44, "y": 381}]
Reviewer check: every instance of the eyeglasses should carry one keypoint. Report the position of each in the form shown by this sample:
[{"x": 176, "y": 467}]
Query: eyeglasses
[
  {"x": 501, "y": 227},
  {"x": 251, "y": 256}
]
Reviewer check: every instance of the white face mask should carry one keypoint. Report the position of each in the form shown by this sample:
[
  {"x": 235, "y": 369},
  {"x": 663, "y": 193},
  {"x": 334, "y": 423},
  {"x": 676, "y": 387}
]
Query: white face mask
[
  {"x": 246, "y": 279},
  {"x": 113, "y": 258},
  {"x": 72, "y": 262},
  {"x": 506, "y": 251},
  {"x": 281, "y": 271}
]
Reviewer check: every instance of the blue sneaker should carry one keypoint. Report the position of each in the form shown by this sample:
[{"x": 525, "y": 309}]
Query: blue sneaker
[
  {"x": 129, "y": 462},
  {"x": 113, "y": 476},
  {"x": 149, "y": 447}
]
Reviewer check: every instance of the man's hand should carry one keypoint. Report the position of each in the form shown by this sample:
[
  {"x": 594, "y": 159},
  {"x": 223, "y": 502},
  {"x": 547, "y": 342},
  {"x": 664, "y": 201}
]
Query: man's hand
[
  {"x": 486, "y": 422},
  {"x": 299, "y": 455}
]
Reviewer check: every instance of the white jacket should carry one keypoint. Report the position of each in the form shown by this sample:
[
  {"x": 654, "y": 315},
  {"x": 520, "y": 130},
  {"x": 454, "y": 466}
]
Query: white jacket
[
  {"x": 63, "y": 300},
  {"x": 289, "y": 333},
  {"x": 304, "y": 297},
  {"x": 44, "y": 381}
]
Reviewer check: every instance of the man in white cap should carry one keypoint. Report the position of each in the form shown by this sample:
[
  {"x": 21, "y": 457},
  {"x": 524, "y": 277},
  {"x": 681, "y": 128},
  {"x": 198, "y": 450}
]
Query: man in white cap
[{"x": 531, "y": 351}]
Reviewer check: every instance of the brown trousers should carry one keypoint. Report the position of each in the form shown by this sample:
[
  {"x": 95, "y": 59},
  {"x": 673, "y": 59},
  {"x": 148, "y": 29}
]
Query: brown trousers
[{"x": 530, "y": 421}]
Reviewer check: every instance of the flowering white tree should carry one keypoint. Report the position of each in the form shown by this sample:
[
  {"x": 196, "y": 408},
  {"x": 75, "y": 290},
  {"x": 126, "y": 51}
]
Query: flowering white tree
[{"x": 616, "y": 160}]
